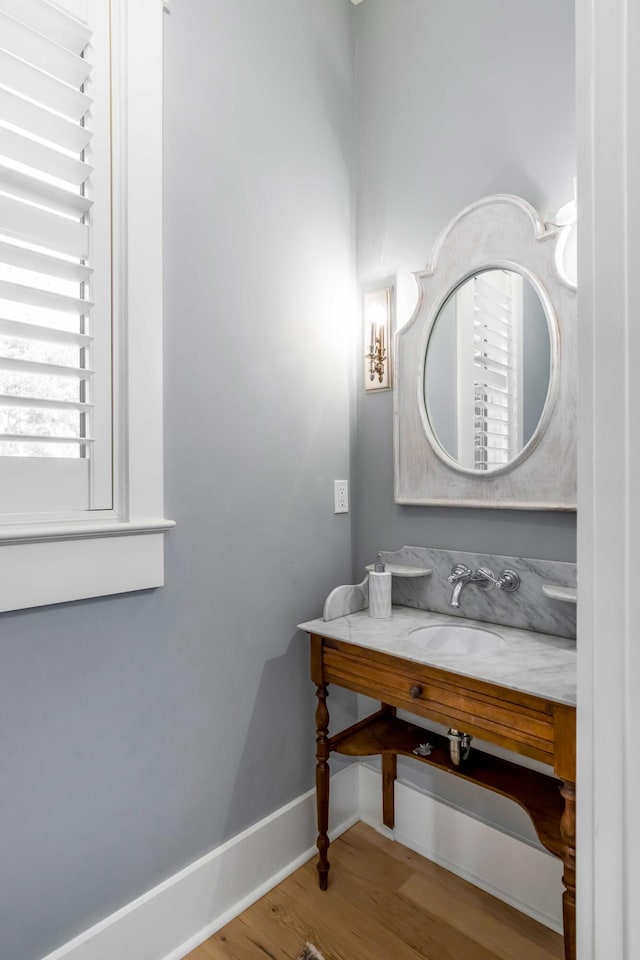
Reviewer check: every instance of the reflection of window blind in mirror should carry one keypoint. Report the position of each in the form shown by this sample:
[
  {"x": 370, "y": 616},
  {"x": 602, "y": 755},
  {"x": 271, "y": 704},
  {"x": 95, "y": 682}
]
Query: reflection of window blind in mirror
[
  {"x": 489, "y": 322},
  {"x": 44, "y": 232}
]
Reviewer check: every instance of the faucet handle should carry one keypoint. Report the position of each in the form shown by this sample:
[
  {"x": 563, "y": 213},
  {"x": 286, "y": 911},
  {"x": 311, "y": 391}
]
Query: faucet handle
[
  {"x": 459, "y": 572},
  {"x": 508, "y": 581},
  {"x": 486, "y": 578}
]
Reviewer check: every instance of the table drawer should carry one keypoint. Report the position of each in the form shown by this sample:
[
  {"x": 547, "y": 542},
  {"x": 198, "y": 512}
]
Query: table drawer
[{"x": 508, "y": 718}]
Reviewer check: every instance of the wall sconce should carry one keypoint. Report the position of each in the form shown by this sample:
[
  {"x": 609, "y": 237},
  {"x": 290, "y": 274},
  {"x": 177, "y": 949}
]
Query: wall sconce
[
  {"x": 567, "y": 246},
  {"x": 566, "y": 249},
  {"x": 377, "y": 317}
]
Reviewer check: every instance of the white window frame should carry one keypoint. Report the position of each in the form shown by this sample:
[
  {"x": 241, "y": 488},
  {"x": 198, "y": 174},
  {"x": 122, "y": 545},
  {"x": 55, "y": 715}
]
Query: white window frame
[{"x": 108, "y": 552}]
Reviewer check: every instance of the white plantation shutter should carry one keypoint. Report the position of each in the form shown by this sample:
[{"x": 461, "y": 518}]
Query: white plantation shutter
[
  {"x": 81, "y": 494},
  {"x": 489, "y": 335},
  {"x": 53, "y": 200}
]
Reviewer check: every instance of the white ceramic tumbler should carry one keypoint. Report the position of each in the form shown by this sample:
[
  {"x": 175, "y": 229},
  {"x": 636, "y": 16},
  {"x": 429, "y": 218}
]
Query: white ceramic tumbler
[{"x": 380, "y": 595}]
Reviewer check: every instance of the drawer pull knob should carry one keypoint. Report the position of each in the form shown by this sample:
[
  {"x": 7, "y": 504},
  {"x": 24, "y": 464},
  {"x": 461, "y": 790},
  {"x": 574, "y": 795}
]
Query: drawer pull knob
[{"x": 415, "y": 691}]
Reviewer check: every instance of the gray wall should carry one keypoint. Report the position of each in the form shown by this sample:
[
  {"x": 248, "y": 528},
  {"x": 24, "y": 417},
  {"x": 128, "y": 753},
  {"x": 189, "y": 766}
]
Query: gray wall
[
  {"x": 138, "y": 732},
  {"x": 454, "y": 101},
  {"x": 134, "y": 730}
]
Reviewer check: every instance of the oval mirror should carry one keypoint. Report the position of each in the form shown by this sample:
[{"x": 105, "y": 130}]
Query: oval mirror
[{"x": 487, "y": 370}]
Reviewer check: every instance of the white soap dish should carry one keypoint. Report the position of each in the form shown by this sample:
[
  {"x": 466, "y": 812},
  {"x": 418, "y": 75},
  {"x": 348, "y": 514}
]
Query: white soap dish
[
  {"x": 557, "y": 592},
  {"x": 401, "y": 570}
]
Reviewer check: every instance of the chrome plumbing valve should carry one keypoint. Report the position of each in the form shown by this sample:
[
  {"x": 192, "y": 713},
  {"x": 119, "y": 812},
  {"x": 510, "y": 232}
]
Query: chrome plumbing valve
[{"x": 459, "y": 746}]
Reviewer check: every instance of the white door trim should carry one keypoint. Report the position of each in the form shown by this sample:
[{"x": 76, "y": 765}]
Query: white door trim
[{"x": 608, "y": 101}]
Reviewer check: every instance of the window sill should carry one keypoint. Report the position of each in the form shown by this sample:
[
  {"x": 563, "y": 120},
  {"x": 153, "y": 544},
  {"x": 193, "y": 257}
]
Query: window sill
[
  {"x": 80, "y": 530},
  {"x": 60, "y": 563}
]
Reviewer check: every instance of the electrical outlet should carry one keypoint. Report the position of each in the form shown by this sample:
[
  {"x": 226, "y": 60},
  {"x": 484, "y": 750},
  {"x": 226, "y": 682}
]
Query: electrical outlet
[{"x": 341, "y": 496}]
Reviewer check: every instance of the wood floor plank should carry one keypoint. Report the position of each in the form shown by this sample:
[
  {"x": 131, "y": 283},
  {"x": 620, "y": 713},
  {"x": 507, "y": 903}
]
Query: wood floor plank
[
  {"x": 277, "y": 926},
  {"x": 210, "y": 950},
  {"x": 345, "y": 928},
  {"x": 464, "y": 895},
  {"x": 487, "y": 929},
  {"x": 428, "y": 934},
  {"x": 384, "y": 902}
]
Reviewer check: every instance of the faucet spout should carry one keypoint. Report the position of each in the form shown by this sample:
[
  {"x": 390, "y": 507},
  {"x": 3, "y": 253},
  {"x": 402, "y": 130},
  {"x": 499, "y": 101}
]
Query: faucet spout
[
  {"x": 455, "y": 596},
  {"x": 458, "y": 576}
]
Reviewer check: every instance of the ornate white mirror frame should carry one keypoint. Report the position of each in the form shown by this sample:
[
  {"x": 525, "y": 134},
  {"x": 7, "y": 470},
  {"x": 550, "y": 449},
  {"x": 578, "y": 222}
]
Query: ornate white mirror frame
[{"x": 499, "y": 232}]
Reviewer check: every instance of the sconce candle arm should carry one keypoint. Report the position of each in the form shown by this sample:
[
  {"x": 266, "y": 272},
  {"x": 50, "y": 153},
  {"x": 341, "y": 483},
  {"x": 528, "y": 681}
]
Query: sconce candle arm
[
  {"x": 377, "y": 357},
  {"x": 377, "y": 337}
]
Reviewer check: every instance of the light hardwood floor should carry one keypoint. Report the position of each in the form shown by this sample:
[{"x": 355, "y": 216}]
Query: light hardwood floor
[{"x": 384, "y": 902}]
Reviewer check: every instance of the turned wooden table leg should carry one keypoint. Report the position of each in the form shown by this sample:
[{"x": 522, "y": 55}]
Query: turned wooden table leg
[
  {"x": 322, "y": 783},
  {"x": 389, "y": 774},
  {"x": 568, "y": 834}
]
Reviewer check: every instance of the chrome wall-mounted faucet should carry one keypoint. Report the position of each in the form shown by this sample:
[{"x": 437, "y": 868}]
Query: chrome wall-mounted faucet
[
  {"x": 459, "y": 576},
  {"x": 484, "y": 577}
]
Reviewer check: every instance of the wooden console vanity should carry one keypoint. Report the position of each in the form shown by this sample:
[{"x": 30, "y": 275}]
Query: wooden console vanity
[{"x": 531, "y": 725}]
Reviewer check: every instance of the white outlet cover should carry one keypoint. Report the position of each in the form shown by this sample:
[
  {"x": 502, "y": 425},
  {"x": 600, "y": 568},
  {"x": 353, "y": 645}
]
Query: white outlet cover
[{"x": 341, "y": 496}]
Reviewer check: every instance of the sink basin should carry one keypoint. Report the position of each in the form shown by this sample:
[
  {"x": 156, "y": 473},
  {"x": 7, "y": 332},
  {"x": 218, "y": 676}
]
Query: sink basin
[{"x": 451, "y": 638}]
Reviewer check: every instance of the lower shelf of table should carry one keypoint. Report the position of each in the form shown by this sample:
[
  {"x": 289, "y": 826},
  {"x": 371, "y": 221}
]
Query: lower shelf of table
[{"x": 539, "y": 794}]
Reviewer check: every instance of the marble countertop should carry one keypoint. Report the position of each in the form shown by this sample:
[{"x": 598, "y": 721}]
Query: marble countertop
[{"x": 534, "y": 663}]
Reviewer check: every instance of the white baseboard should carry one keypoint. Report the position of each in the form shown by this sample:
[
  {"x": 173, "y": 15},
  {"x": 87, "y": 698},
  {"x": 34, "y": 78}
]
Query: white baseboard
[
  {"x": 167, "y": 922},
  {"x": 521, "y": 875},
  {"x": 170, "y": 920}
]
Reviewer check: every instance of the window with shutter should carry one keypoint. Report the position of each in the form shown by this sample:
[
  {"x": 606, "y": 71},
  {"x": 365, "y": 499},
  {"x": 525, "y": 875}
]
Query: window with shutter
[
  {"x": 81, "y": 510},
  {"x": 489, "y": 319},
  {"x": 55, "y": 334}
]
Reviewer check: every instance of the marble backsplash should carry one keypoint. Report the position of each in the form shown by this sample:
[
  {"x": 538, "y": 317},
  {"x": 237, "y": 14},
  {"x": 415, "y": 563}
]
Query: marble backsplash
[{"x": 528, "y": 608}]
